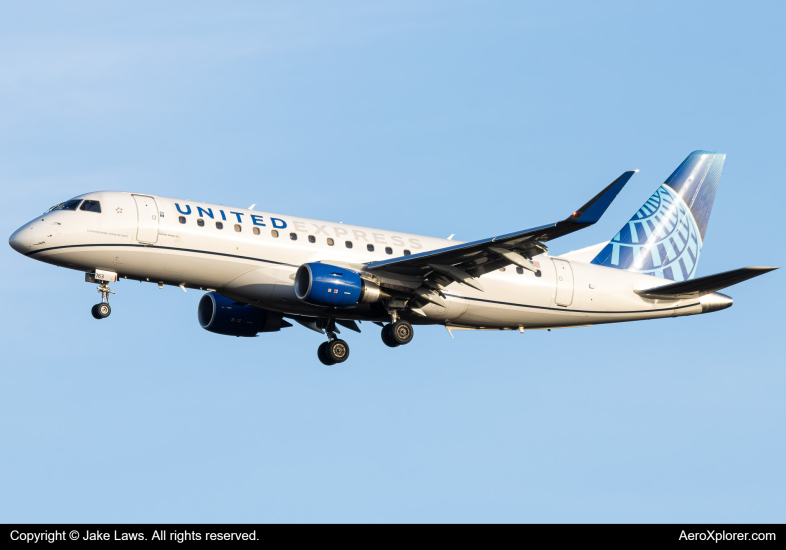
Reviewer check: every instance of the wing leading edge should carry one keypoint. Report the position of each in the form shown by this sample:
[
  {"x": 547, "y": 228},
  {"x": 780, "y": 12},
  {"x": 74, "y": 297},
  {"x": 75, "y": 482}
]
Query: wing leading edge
[{"x": 478, "y": 257}]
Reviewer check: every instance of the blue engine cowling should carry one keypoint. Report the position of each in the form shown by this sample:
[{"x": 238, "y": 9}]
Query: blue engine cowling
[
  {"x": 331, "y": 286},
  {"x": 225, "y": 316}
]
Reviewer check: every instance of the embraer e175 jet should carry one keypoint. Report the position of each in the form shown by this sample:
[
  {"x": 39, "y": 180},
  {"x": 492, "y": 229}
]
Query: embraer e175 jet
[{"x": 262, "y": 270}]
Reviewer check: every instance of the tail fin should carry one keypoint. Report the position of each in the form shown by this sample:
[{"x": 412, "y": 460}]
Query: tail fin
[{"x": 664, "y": 237}]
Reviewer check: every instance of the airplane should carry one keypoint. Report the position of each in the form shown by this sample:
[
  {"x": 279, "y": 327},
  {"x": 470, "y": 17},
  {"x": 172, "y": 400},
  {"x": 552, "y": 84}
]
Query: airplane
[{"x": 261, "y": 270}]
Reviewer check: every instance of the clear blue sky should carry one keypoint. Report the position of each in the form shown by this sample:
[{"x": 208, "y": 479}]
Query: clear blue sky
[{"x": 473, "y": 118}]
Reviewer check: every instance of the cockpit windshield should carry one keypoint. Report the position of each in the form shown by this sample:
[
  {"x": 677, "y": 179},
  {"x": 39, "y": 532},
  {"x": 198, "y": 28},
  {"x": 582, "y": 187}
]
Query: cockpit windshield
[
  {"x": 91, "y": 206},
  {"x": 67, "y": 205}
]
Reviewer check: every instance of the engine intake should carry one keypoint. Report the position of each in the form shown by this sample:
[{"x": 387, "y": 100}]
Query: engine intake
[
  {"x": 223, "y": 315},
  {"x": 328, "y": 285}
]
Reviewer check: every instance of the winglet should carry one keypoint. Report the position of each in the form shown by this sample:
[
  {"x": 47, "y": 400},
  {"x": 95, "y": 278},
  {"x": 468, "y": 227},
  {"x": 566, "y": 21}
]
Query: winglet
[{"x": 594, "y": 209}]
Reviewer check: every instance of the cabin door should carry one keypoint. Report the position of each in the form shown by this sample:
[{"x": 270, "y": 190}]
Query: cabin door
[
  {"x": 147, "y": 215},
  {"x": 564, "y": 296}
]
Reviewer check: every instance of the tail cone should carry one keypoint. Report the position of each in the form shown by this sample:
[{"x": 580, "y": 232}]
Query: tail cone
[{"x": 715, "y": 302}]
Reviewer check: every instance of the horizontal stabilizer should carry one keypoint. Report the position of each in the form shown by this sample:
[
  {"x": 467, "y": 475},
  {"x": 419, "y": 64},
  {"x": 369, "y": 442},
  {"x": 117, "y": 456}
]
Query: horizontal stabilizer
[{"x": 703, "y": 285}]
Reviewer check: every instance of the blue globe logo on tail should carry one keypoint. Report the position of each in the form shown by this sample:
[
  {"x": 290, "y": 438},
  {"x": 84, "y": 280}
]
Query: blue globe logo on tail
[
  {"x": 661, "y": 239},
  {"x": 665, "y": 235}
]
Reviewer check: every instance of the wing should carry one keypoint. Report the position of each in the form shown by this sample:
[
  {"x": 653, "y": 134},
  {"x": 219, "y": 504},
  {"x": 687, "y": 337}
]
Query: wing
[
  {"x": 696, "y": 288},
  {"x": 466, "y": 262}
]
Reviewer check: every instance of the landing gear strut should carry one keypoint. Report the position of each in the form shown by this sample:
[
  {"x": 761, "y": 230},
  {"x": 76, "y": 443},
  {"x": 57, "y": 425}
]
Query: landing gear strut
[
  {"x": 102, "y": 310},
  {"x": 334, "y": 350}
]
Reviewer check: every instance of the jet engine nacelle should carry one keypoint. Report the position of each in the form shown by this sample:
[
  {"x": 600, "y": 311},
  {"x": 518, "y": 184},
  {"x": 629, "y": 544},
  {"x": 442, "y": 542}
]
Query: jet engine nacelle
[
  {"x": 331, "y": 286},
  {"x": 225, "y": 316}
]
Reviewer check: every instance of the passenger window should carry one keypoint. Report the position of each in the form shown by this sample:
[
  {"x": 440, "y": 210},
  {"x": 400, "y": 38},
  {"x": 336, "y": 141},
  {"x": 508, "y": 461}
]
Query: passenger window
[
  {"x": 293, "y": 236},
  {"x": 256, "y": 231},
  {"x": 200, "y": 222},
  {"x": 274, "y": 233},
  {"x": 219, "y": 225},
  {"x": 237, "y": 228},
  {"x": 407, "y": 252},
  {"x": 520, "y": 270},
  {"x": 388, "y": 250},
  {"x": 91, "y": 206},
  {"x": 312, "y": 239},
  {"x": 330, "y": 241},
  {"x": 182, "y": 219},
  {"x": 349, "y": 244},
  {"x": 67, "y": 205},
  {"x": 370, "y": 247}
]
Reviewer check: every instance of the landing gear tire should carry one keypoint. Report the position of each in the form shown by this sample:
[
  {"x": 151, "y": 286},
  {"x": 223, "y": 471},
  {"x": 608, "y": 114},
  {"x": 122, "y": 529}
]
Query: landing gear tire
[
  {"x": 401, "y": 332},
  {"x": 101, "y": 311},
  {"x": 337, "y": 351},
  {"x": 387, "y": 338},
  {"x": 323, "y": 355}
]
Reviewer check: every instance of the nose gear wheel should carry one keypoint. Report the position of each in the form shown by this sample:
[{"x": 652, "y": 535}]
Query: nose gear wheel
[{"x": 101, "y": 311}]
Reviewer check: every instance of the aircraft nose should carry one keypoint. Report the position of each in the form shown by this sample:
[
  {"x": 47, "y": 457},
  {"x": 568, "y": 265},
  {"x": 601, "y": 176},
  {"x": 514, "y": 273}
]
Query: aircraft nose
[{"x": 18, "y": 238}]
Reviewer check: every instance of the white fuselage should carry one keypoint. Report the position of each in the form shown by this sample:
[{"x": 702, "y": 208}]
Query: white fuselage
[{"x": 141, "y": 237}]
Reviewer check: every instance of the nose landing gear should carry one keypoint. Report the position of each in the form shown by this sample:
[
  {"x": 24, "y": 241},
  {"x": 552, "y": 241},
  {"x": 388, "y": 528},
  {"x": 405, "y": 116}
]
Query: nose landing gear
[{"x": 102, "y": 310}]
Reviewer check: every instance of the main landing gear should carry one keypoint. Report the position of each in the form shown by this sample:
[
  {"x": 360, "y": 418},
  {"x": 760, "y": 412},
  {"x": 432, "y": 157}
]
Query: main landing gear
[
  {"x": 334, "y": 350},
  {"x": 102, "y": 310},
  {"x": 398, "y": 332}
]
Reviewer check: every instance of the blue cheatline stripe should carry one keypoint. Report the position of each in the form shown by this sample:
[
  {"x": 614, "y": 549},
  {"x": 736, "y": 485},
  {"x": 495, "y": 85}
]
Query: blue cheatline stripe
[
  {"x": 569, "y": 310},
  {"x": 152, "y": 246},
  {"x": 292, "y": 265}
]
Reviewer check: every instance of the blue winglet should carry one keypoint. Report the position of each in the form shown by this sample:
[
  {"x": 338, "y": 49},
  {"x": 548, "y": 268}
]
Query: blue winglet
[{"x": 594, "y": 209}]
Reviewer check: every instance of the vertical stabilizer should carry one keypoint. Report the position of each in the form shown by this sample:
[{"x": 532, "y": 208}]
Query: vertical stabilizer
[{"x": 665, "y": 236}]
